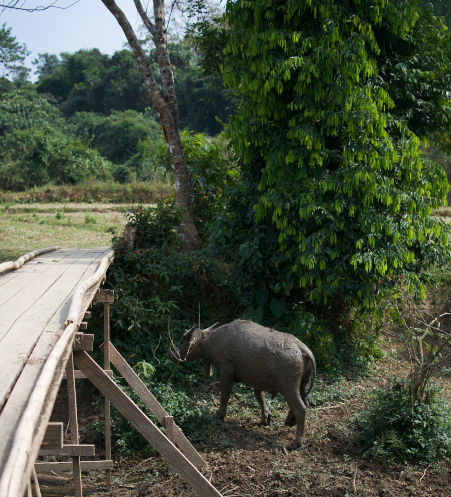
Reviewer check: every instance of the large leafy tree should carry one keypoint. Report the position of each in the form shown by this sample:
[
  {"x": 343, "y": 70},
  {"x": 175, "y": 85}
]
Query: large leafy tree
[
  {"x": 12, "y": 54},
  {"x": 337, "y": 176}
]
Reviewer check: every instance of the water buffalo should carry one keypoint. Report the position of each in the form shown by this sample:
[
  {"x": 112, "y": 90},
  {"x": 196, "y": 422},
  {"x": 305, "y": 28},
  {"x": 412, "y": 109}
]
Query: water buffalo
[{"x": 263, "y": 358}]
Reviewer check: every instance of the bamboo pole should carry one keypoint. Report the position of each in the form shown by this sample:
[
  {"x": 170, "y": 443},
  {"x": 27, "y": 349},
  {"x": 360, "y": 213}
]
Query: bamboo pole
[
  {"x": 77, "y": 297},
  {"x": 4, "y": 266}
]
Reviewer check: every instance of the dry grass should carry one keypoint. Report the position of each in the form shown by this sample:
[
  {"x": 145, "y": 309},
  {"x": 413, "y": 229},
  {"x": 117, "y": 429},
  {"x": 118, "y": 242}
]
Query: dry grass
[
  {"x": 68, "y": 207},
  {"x": 93, "y": 191},
  {"x": 21, "y": 233}
]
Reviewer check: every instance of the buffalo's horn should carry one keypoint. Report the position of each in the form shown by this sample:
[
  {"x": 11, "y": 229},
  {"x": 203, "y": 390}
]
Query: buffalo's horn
[{"x": 210, "y": 327}]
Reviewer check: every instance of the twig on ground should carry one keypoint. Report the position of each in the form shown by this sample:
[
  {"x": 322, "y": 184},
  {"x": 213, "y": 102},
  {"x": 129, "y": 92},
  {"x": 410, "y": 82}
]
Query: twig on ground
[
  {"x": 231, "y": 489},
  {"x": 136, "y": 467},
  {"x": 354, "y": 488},
  {"x": 326, "y": 407},
  {"x": 425, "y": 472}
]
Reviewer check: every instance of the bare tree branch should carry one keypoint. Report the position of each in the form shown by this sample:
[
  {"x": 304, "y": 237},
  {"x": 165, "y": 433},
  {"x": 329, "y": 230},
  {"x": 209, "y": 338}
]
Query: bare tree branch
[
  {"x": 20, "y": 5},
  {"x": 145, "y": 18}
]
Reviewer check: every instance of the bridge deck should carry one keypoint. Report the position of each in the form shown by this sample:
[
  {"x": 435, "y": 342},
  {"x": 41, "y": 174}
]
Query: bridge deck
[{"x": 34, "y": 304}]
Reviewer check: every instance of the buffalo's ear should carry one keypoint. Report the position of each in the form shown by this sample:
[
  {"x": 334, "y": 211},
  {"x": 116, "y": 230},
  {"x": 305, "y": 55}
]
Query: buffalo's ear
[{"x": 187, "y": 334}]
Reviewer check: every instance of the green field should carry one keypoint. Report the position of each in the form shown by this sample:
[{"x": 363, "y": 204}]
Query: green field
[{"x": 24, "y": 228}]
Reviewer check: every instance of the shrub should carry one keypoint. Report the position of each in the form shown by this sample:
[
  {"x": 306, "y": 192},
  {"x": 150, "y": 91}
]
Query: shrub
[
  {"x": 117, "y": 136},
  {"x": 396, "y": 433},
  {"x": 35, "y": 157}
]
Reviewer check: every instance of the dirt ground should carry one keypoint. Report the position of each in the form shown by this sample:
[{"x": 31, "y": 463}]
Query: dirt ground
[{"x": 247, "y": 459}]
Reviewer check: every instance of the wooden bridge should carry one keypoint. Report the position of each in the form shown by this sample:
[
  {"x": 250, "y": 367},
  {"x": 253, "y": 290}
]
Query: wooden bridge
[{"x": 43, "y": 306}]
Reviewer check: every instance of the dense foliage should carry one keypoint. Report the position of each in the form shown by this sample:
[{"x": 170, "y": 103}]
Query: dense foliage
[
  {"x": 37, "y": 146},
  {"x": 337, "y": 176},
  {"x": 89, "y": 81},
  {"x": 394, "y": 432},
  {"x": 117, "y": 136},
  {"x": 12, "y": 54}
]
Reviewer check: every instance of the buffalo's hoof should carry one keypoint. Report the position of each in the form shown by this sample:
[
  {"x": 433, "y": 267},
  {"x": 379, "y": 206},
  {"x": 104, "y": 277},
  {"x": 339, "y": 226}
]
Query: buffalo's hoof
[
  {"x": 293, "y": 446},
  {"x": 290, "y": 420},
  {"x": 266, "y": 419}
]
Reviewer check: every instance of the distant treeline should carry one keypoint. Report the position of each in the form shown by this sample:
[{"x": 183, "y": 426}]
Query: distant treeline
[
  {"x": 89, "y": 81},
  {"x": 89, "y": 116}
]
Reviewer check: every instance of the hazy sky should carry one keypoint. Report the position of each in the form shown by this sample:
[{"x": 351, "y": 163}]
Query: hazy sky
[{"x": 87, "y": 24}]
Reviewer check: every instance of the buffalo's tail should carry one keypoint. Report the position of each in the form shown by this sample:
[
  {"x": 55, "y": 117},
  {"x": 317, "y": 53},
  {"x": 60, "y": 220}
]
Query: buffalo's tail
[{"x": 308, "y": 379}]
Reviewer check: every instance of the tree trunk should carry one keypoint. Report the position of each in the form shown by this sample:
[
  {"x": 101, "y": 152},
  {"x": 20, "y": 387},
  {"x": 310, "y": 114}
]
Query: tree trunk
[{"x": 166, "y": 108}]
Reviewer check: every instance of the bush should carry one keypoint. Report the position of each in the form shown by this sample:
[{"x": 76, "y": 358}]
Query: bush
[
  {"x": 25, "y": 109},
  {"x": 117, "y": 136},
  {"x": 396, "y": 433},
  {"x": 36, "y": 157}
]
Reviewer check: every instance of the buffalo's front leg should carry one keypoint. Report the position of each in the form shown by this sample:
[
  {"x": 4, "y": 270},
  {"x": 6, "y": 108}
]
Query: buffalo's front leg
[
  {"x": 266, "y": 414},
  {"x": 226, "y": 381}
]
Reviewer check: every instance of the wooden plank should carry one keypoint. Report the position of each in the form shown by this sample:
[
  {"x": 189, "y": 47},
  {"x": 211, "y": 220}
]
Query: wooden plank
[
  {"x": 81, "y": 376},
  {"x": 87, "y": 315},
  {"x": 70, "y": 450},
  {"x": 10, "y": 286},
  {"x": 83, "y": 326},
  {"x": 144, "y": 425},
  {"x": 67, "y": 466},
  {"x": 53, "y": 438},
  {"x": 84, "y": 341},
  {"x": 152, "y": 404},
  {"x": 104, "y": 296},
  {"x": 22, "y": 336},
  {"x": 32, "y": 267},
  {"x": 15, "y": 405},
  {"x": 16, "y": 306},
  {"x": 169, "y": 427}
]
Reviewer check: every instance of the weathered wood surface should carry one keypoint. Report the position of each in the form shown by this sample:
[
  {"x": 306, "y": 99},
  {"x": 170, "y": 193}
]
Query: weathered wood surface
[
  {"x": 144, "y": 425},
  {"x": 70, "y": 450},
  {"x": 34, "y": 303},
  {"x": 67, "y": 466},
  {"x": 53, "y": 438},
  {"x": 152, "y": 404}
]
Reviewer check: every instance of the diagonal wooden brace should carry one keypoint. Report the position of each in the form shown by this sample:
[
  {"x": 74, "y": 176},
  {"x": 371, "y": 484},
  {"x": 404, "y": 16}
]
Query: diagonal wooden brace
[
  {"x": 153, "y": 405},
  {"x": 144, "y": 425}
]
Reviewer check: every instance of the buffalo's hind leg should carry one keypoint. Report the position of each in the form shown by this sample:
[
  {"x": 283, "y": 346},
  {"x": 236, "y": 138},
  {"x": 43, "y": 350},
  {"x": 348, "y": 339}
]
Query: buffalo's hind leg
[
  {"x": 290, "y": 419},
  {"x": 297, "y": 411},
  {"x": 266, "y": 414}
]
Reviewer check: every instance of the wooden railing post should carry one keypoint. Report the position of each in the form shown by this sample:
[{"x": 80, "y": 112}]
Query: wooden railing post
[
  {"x": 73, "y": 420},
  {"x": 107, "y": 366}
]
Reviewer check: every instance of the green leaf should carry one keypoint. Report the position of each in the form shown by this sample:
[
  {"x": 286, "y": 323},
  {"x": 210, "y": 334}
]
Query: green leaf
[
  {"x": 262, "y": 297},
  {"x": 278, "y": 307}
]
